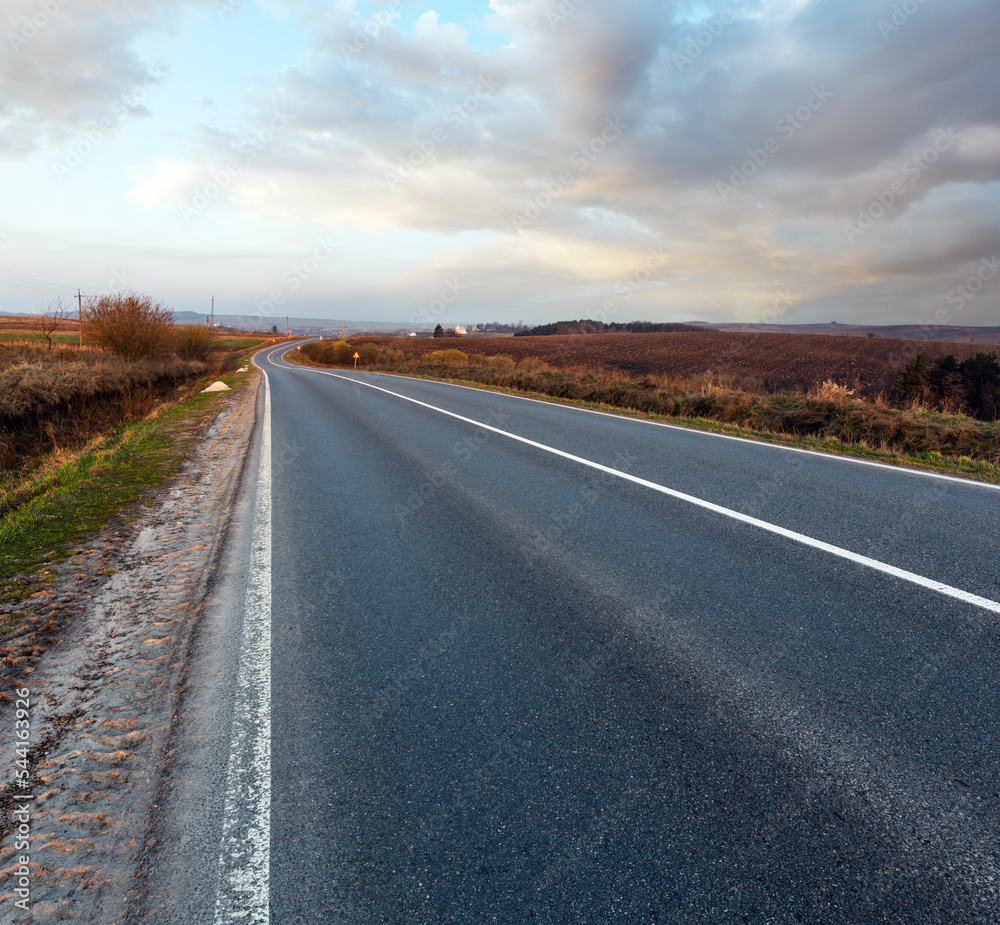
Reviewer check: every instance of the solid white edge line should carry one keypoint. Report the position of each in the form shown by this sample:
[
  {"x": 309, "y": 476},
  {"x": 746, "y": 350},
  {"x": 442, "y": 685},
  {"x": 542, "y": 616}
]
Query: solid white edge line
[
  {"x": 697, "y": 431},
  {"x": 902, "y": 470},
  {"x": 243, "y": 887},
  {"x": 875, "y": 564}
]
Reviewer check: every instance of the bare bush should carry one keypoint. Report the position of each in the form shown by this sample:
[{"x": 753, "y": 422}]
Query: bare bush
[
  {"x": 342, "y": 352},
  {"x": 447, "y": 357},
  {"x": 194, "y": 342},
  {"x": 47, "y": 322},
  {"x": 370, "y": 354},
  {"x": 128, "y": 324}
]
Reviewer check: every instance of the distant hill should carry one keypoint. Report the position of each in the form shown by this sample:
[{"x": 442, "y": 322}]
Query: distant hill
[
  {"x": 254, "y": 322},
  {"x": 585, "y": 326}
]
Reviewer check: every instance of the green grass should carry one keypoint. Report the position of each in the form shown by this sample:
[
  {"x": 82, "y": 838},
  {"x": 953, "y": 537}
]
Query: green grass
[
  {"x": 243, "y": 342},
  {"x": 111, "y": 475}
]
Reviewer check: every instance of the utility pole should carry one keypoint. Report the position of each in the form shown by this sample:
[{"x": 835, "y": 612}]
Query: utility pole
[
  {"x": 286, "y": 325},
  {"x": 211, "y": 323},
  {"x": 79, "y": 305}
]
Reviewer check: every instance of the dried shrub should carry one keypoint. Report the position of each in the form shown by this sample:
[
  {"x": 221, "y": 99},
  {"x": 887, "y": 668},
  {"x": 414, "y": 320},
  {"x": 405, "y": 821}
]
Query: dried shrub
[
  {"x": 833, "y": 392},
  {"x": 130, "y": 325},
  {"x": 445, "y": 357},
  {"x": 342, "y": 353},
  {"x": 534, "y": 365},
  {"x": 194, "y": 342},
  {"x": 370, "y": 354}
]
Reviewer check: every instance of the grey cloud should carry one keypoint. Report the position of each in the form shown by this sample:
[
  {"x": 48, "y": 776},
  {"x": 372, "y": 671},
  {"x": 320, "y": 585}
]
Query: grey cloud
[
  {"x": 64, "y": 64},
  {"x": 875, "y": 99}
]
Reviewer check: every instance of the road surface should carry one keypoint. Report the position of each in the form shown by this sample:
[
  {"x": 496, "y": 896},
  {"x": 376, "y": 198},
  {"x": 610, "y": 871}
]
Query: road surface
[{"x": 475, "y": 659}]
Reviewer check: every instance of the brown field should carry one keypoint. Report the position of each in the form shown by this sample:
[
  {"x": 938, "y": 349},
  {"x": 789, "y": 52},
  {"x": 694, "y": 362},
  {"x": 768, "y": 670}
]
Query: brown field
[{"x": 769, "y": 362}]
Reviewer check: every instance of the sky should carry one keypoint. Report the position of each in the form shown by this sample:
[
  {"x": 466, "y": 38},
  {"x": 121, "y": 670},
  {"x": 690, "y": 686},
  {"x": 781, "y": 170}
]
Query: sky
[{"x": 467, "y": 161}]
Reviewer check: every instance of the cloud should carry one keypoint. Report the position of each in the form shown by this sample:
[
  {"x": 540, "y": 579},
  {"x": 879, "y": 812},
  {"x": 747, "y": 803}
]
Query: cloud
[
  {"x": 65, "y": 62},
  {"x": 744, "y": 136}
]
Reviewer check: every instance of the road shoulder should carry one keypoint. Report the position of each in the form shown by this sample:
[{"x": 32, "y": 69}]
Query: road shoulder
[{"x": 104, "y": 696}]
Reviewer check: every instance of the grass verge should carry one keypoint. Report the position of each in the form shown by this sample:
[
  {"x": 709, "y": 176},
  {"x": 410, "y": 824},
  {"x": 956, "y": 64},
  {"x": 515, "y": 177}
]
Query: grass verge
[
  {"x": 947, "y": 444},
  {"x": 71, "y": 497}
]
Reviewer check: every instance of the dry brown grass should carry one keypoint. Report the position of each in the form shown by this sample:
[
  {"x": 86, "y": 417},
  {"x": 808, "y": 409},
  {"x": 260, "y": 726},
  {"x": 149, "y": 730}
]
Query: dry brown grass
[
  {"x": 829, "y": 410},
  {"x": 777, "y": 363},
  {"x": 57, "y": 400}
]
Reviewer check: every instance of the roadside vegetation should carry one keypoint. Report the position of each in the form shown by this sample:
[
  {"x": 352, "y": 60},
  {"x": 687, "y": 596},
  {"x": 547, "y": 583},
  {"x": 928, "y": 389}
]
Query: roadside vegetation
[
  {"x": 898, "y": 427},
  {"x": 84, "y": 432}
]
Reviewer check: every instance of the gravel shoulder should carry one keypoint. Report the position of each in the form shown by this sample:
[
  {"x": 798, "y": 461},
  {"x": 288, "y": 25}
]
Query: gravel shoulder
[{"x": 103, "y": 667}]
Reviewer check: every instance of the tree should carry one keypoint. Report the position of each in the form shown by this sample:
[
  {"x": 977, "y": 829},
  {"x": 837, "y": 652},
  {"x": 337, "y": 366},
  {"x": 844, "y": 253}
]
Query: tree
[
  {"x": 47, "y": 322},
  {"x": 439, "y": 331},
  {"x": 274, "y": 329},
  {"x": 128, "y": 324},
  {"x": 982, "y": 382},
  {"x": 915, "y": 379}
]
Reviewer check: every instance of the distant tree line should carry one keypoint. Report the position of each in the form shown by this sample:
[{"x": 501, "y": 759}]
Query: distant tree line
[
  {"x": 585, "y": 326},
  {"x": 971, "y": 387},
  {"x": 499, "y": 327}
]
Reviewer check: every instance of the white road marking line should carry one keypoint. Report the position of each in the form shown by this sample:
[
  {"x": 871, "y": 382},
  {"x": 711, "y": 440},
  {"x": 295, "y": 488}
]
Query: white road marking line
[
  {"x": 244, "y": 870},
  {"x": 875, "y": 564},
  {"x": 692, "y": 430},
  {"x": 838, "y": 457}
]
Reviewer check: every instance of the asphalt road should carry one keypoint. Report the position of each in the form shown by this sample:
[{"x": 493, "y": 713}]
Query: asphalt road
[{"x": 476, "y": 659}]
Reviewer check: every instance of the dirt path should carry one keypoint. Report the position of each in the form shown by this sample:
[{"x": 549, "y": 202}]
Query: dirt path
[{"x": 101, "y": 665}]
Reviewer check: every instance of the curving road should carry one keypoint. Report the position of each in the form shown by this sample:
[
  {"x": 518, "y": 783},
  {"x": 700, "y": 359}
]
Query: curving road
[{"x": 474, "y": 659}]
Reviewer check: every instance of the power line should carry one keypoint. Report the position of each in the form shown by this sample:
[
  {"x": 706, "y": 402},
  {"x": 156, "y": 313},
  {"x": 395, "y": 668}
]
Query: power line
[
  {"x": 12, "y": 282},
  {"x": 34, "y": 279},
  {"x": 32, "y": 282}
]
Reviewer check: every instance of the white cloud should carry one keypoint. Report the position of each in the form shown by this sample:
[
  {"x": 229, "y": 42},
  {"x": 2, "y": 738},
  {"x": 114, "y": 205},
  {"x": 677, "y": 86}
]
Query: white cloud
[{"x": 396, "y": 131}]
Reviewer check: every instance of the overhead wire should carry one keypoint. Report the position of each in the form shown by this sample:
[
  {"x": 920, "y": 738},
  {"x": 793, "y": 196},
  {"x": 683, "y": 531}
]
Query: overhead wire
[
  {"x": 33, "y": 283},
  {"x": 34, "y": 279}
]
